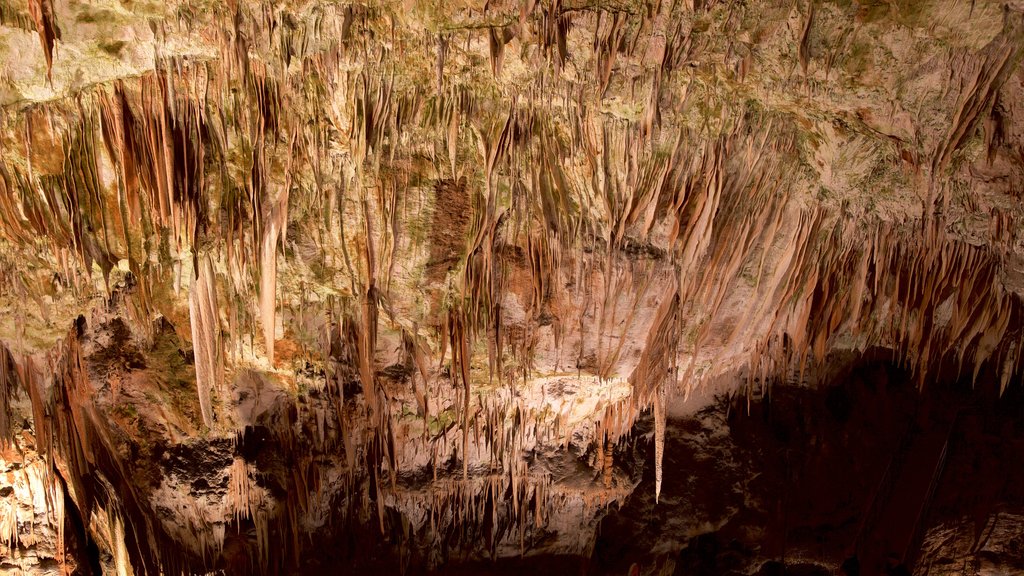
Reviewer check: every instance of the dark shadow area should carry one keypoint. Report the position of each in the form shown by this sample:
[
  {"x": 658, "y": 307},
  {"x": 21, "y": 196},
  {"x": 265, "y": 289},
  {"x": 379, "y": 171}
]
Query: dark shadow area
[{"x": 854, "y": 477}]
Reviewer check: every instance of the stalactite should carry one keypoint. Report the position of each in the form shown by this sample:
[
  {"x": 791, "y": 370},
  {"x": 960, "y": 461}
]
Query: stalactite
[
  {"x": 204, "y": 315},
  {"x": 122, "y": 563},
  {"x": 659, "y": 440},
  {"x": 627, "y": 231},
  {"x": 46, "y": 25},
  {"x": 805, "y": 38},
  {"x": 989, "y": 71},
  {"x": 8, "y": 391},
  {"x": 268, "y": 278},
  {"x": 607, "y": 46},
  {"x": 239, "y": 498}
]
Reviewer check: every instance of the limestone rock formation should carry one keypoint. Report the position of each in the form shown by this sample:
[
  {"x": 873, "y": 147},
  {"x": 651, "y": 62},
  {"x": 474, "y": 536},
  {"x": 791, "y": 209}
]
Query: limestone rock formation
[{"x": 389, "y": 285}]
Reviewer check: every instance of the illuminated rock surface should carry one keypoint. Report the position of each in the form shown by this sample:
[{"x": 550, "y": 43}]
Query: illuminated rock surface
[{"x": 694, "y": 286}]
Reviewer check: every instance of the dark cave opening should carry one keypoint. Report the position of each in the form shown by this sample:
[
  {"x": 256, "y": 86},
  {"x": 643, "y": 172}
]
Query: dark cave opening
[
  {"x": 851, "y": 477},
  {"x": 79, "y": 543}
]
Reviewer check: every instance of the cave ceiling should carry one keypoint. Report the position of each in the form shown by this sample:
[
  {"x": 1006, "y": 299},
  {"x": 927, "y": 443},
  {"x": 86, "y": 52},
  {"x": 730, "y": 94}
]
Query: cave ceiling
[{"x": 271, "y": 271}]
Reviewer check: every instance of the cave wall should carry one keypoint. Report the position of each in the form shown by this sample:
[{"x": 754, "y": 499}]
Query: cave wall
[{"x": 403, "y": 275}]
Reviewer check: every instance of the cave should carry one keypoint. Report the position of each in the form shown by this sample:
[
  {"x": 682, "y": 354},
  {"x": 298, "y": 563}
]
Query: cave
[
  {"x": 624, "y": 287},
  {"x": 864, "y": 474}
]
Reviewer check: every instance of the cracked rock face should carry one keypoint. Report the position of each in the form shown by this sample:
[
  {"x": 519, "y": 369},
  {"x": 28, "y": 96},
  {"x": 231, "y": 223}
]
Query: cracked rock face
[{"x": 409, "y": 286}]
